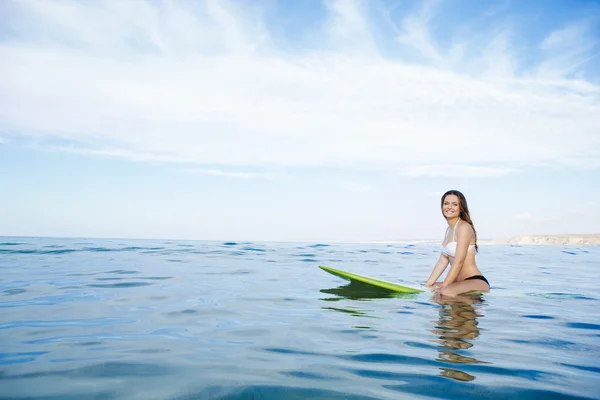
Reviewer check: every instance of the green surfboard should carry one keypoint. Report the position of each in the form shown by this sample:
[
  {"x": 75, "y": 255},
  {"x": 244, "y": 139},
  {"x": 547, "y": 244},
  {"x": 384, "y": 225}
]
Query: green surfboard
[{"x": 370, "y": 281}]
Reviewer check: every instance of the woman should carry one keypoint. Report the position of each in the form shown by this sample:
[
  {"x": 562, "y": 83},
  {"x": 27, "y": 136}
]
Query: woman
[{"x": 458, "y": 248}]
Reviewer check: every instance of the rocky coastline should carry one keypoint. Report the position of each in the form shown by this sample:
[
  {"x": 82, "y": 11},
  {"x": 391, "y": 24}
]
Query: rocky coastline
[{"x": 564, "y": 240}]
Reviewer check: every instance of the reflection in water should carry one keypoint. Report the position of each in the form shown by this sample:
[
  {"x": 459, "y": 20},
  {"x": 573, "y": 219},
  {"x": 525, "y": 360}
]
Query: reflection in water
[
  {"x": 354, "y": 311},
  {"x": 362, "y": 291},
  {"x": 456, "y": 330}
]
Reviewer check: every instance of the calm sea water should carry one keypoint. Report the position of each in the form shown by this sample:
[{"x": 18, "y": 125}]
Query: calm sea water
[{"x": 142, "y": 319}]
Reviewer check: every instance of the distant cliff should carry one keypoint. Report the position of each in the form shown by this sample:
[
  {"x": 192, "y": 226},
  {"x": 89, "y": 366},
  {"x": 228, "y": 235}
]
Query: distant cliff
[{"x": 574, "y": 239}]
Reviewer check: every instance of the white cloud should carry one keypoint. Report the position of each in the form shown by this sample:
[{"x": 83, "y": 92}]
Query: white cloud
[
  {"x": 228, "y": 174},
  {"x": 566, "y": 49},
  {"x": 356, "y": 187},
  {"x": 499, "y": 60},
  {"x": 201, "y": 83},
  {"x": 2, "y": 140},
  {"x": 525, "y": 216},
  {"x": 348, "y": 28},
  {"x": 583, "y": 208},
  {"x": 415, "y": 31},
  {"x": 454, "y": 171}
]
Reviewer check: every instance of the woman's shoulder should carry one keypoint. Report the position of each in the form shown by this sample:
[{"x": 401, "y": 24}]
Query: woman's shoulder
[{"x": 464, "y": 227}]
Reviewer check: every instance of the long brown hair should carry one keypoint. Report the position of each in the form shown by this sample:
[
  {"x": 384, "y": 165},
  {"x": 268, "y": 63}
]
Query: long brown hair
[{"x": 464, "y": 210}]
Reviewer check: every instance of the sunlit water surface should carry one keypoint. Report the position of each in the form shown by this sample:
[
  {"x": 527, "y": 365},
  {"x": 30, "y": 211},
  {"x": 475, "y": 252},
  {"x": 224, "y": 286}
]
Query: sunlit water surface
[{"x": 142, "y": 319}]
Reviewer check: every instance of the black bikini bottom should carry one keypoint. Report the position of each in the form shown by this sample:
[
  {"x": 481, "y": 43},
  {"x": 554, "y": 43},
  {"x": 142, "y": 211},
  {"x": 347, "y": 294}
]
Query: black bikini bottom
[{"x": 478, "y": 277}]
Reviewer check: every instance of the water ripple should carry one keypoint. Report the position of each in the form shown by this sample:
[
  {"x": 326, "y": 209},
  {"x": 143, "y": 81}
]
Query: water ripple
[
  {"x": 270, "y": 393},
  {"x": 73, "y": 322},
  {"x": 583, "y": 325},
  {"x": 19, "y": 358},
  {"x": 119, "y": 285}
]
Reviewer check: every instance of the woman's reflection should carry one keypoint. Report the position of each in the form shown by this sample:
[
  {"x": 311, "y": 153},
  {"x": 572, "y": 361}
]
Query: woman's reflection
[{"x": 456, "y": 329}]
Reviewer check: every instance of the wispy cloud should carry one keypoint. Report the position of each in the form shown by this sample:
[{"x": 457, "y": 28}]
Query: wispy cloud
[
  {"x": 415, "y": 32},
  {"x": 565, "y": 49},
  {"x": 498, "y": 57},
  {"x": 455, "y": 171},
  {"x": 356, "y": 187},
  {"x": 229, "y": 174},
  {"x": 589, "y": 208},
  {"x": 202, "y": 83},
  {"x": 525, "y": 216},
  {"x": 348, "y": 28}
]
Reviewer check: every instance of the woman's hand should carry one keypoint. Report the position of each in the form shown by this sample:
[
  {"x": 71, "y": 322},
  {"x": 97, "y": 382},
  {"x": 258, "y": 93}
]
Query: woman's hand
[
  {"x": 435, "y": 287},
  {"x": 438, "y": 286}
]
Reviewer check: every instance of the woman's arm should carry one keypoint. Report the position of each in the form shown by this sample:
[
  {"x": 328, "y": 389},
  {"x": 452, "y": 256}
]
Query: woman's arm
[
  {"x": 439, "y": 268},
  {"x": 464, "y": 235}
]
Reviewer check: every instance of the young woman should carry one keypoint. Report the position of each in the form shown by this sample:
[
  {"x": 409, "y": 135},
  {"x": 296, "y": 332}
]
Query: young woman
[{"x": 458, "y": 248}]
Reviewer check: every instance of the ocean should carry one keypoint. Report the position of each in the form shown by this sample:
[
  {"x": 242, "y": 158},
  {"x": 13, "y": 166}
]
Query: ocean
[{"x": 165, "y": 319}]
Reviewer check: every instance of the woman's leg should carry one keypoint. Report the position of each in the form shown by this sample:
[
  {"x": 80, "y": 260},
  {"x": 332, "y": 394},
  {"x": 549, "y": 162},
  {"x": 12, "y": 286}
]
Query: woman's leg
[{"x": 471, "y": 285}]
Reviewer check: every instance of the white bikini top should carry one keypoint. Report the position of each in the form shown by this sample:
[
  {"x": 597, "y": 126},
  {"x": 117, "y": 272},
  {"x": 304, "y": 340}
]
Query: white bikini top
[{"x": 450, "y": 248}]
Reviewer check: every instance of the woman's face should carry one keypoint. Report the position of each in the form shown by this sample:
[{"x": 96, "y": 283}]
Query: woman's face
[{"x": 451, "y": 206}]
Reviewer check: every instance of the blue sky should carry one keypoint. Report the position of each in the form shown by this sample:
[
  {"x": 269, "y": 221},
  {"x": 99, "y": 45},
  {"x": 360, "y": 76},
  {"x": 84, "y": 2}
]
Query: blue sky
[{"x": 298, "y": 121}]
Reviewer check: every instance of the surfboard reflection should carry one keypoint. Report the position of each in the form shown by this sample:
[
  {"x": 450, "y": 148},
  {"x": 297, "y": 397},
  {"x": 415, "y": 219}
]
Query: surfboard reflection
[
  {"x": 356, "y": 291},
  {"x": 361, "y": 291},
  {"x": 456, "y": 329}
]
